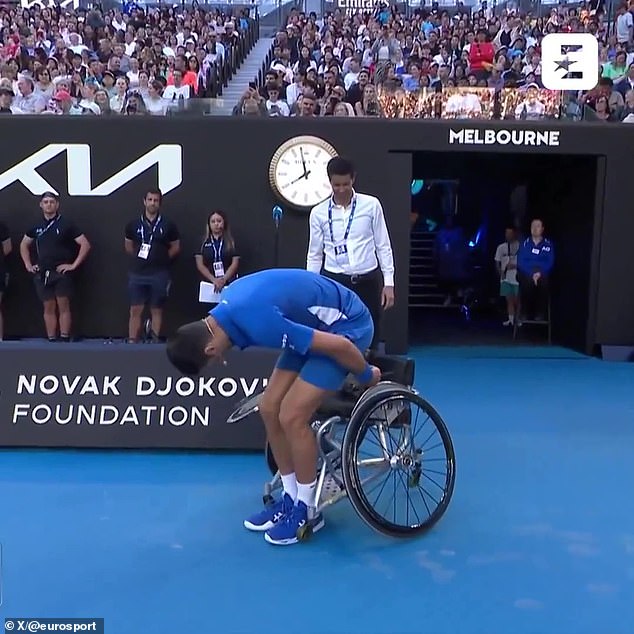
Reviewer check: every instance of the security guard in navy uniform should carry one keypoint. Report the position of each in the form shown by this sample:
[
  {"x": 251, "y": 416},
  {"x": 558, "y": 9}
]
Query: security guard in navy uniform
[
  {"x": 152, "y": 241},
  {"x": 5, "y": 250},
  {"x": 52, "y": 250}
]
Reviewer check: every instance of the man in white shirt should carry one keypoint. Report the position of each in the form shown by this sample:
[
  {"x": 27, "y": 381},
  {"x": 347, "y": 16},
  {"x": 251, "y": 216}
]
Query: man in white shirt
[
  {"x": 178, "y": 90},
  {"x": 349, "y": 237},
  {"x": 506, "y": 262},
  {"x": 624, "y": 26}
]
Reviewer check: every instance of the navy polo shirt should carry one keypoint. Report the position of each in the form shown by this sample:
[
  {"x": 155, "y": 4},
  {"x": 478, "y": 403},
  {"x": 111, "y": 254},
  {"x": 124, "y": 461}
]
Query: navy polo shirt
[
  {"x": 159, "y": 234},
  {"x": 54, "y": 242}
]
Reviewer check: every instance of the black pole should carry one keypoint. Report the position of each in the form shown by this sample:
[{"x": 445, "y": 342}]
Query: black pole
[
  {"x": 278, "y": 212},
  {"x": 276, "y": 251}
]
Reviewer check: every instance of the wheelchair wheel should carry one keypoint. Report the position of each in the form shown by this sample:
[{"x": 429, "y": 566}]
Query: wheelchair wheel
[{"x": 398, "y": 462}]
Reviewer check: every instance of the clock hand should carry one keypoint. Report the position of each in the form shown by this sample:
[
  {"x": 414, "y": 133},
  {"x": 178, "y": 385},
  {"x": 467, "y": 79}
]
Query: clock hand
[
  {"x": 305, "y": 175},
  {"x": 301, "y": 153}
]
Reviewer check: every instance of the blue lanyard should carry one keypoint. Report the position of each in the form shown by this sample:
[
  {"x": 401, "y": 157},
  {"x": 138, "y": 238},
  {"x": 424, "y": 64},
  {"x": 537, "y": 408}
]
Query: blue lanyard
[
  {"x": 217, "y": 252},
  {"x": 154, "y": 228},
  {"x": 347, "y": 232}
]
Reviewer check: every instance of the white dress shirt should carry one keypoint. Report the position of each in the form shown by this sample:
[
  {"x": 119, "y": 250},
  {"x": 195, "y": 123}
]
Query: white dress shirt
[{"x": 368, "y": 242}]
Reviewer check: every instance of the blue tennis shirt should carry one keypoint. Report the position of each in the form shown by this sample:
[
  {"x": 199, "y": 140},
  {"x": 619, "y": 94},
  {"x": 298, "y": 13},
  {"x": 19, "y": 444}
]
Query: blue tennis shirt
[{"x": 280, "y": 308}]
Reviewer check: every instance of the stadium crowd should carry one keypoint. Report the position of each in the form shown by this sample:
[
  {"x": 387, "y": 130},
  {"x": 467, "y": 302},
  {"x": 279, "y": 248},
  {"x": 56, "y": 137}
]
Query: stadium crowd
[
  {"x": 141, "y": 61},
  {"x": 433, "y": 63},
  {"x": 430, "y": 64}
]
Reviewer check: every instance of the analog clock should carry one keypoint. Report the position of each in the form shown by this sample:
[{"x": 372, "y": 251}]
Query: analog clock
[{"x": 298, "y": 171}]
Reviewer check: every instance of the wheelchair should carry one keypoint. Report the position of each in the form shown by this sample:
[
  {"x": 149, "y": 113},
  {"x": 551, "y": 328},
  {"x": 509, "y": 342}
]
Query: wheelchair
[{"x": 368, "y": 452}]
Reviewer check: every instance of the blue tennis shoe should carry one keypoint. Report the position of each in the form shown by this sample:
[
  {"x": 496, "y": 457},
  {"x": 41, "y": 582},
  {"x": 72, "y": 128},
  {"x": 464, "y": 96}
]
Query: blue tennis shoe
[
  {"x": 284, "y": 532},
  {"x": 271, "y": 515}
]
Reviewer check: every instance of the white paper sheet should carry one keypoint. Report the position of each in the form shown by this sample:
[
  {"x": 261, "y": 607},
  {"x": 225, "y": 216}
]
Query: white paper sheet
[{"x": 207, "y": 294}]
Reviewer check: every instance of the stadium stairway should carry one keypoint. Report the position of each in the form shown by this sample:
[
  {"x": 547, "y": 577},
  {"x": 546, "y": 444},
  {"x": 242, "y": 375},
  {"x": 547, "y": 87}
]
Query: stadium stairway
[
  {"x": 423, "y": 279},
  {"x": 247, "y": 72}
]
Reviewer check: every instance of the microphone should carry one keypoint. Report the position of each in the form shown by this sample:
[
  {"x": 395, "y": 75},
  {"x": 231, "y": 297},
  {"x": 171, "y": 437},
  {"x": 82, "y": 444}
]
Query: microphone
[{"x": 277, "y": 215}]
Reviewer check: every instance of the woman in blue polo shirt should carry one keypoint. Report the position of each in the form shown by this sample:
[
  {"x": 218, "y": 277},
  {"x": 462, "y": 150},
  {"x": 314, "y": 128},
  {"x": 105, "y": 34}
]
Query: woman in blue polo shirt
[{"x": 218, "y": 260}]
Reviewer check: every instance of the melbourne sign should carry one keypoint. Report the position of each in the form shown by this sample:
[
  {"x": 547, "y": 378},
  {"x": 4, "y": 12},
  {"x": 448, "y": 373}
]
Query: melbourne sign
[
  {"x": 168, "y": 159},
  {"x": 120, "y": 397},
  {"x": 518, "y": 136}
]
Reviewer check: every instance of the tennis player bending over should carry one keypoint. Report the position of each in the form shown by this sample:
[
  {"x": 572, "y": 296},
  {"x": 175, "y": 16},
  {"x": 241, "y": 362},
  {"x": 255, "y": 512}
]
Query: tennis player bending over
[{"x": 323, "y": 330}]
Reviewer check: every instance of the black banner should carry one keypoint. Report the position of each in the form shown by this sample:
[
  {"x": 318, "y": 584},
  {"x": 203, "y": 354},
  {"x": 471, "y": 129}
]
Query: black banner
[
  {"x": 102, "y": 186},
  {"x": 100, "y": 396}
]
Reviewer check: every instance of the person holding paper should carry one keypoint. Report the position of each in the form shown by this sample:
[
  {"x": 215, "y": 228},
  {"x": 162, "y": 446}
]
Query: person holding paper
[
  {"x": 152, "y": 242},
  {"x": 218, "y": 260}
]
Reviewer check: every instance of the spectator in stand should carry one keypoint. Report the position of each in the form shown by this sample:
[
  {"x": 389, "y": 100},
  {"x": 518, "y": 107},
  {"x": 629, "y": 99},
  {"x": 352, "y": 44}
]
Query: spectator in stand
[
  {"x": 6, "y": 98},
  {"x": 626, "y": 84},
  {"x": 624, "y": 27},
  {"x": 434, "y": 50},
  {"x": 481, "y": 53},
  {"x": 44, "y": 50},
  {"x": 627, "y": 114}
]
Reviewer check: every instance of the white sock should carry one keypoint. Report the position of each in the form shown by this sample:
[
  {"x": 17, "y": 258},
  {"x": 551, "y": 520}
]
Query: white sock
[
  {"x": 289, "y": 482},
  {"x": 306, "y": 493}
]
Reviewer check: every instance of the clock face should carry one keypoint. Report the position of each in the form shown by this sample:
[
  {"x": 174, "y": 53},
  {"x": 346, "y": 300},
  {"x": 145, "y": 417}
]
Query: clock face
[{"x": 298, "y": 171}]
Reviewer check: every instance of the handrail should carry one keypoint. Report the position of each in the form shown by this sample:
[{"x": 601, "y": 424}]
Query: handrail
[{"x": 221, "y": 72}]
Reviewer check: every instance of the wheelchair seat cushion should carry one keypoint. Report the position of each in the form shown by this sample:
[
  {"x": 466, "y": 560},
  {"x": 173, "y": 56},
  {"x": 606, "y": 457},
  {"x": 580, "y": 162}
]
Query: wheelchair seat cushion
[
  {"x": 342, "y": 403},
  {"x": 398, "y": 369}
]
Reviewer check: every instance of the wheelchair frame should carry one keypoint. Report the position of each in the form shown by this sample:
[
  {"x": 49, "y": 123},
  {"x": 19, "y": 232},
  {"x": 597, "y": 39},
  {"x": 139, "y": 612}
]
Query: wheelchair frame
[{"x": 337, "y": 475}]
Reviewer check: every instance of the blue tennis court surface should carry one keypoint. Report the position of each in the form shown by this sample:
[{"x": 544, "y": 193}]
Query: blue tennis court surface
[{"x": 539, "y": 537}]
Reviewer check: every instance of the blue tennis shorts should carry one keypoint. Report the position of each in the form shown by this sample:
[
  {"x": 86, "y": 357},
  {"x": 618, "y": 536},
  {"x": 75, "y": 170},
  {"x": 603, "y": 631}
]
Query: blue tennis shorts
[{"x": 324, "y": 372}]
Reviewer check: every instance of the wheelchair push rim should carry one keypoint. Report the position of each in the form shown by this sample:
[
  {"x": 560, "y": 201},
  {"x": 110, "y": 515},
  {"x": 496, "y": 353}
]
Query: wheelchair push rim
[{"x": 398, "y": 463}]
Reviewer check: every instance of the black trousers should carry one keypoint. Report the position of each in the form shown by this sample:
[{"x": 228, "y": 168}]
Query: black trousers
[
  {"x": 534, "y": 297},
  {"x": 368, "y": 287}
]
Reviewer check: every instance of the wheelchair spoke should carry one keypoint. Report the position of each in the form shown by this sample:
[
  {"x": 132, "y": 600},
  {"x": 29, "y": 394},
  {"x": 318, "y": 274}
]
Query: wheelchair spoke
[
  {"x": 429, "y": 495},
  {"x": 409, "y": 501},
  {"x": 427, "y": 439},
  {"x": 432, "y": 480},
  {"x": 440, "y": 444},
  {"x": 442, "y": 473},
  {"x": 394, "y": 498},
  {"x": 381, "y": 491},
  {"x": 422, "y": 497}
]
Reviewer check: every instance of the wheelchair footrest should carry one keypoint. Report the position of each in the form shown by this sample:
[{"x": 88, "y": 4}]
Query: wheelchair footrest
[{"x": 330, "y": 490}]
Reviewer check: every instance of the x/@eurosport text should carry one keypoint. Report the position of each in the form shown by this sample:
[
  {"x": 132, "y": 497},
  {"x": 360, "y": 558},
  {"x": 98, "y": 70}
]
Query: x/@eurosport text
[
  {"x": 95, "y": 626},
  {"x": 116, "y": 400}
]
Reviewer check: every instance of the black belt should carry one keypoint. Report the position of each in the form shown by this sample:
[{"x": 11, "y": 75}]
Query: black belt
[{"x": 355, "y": 278}]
